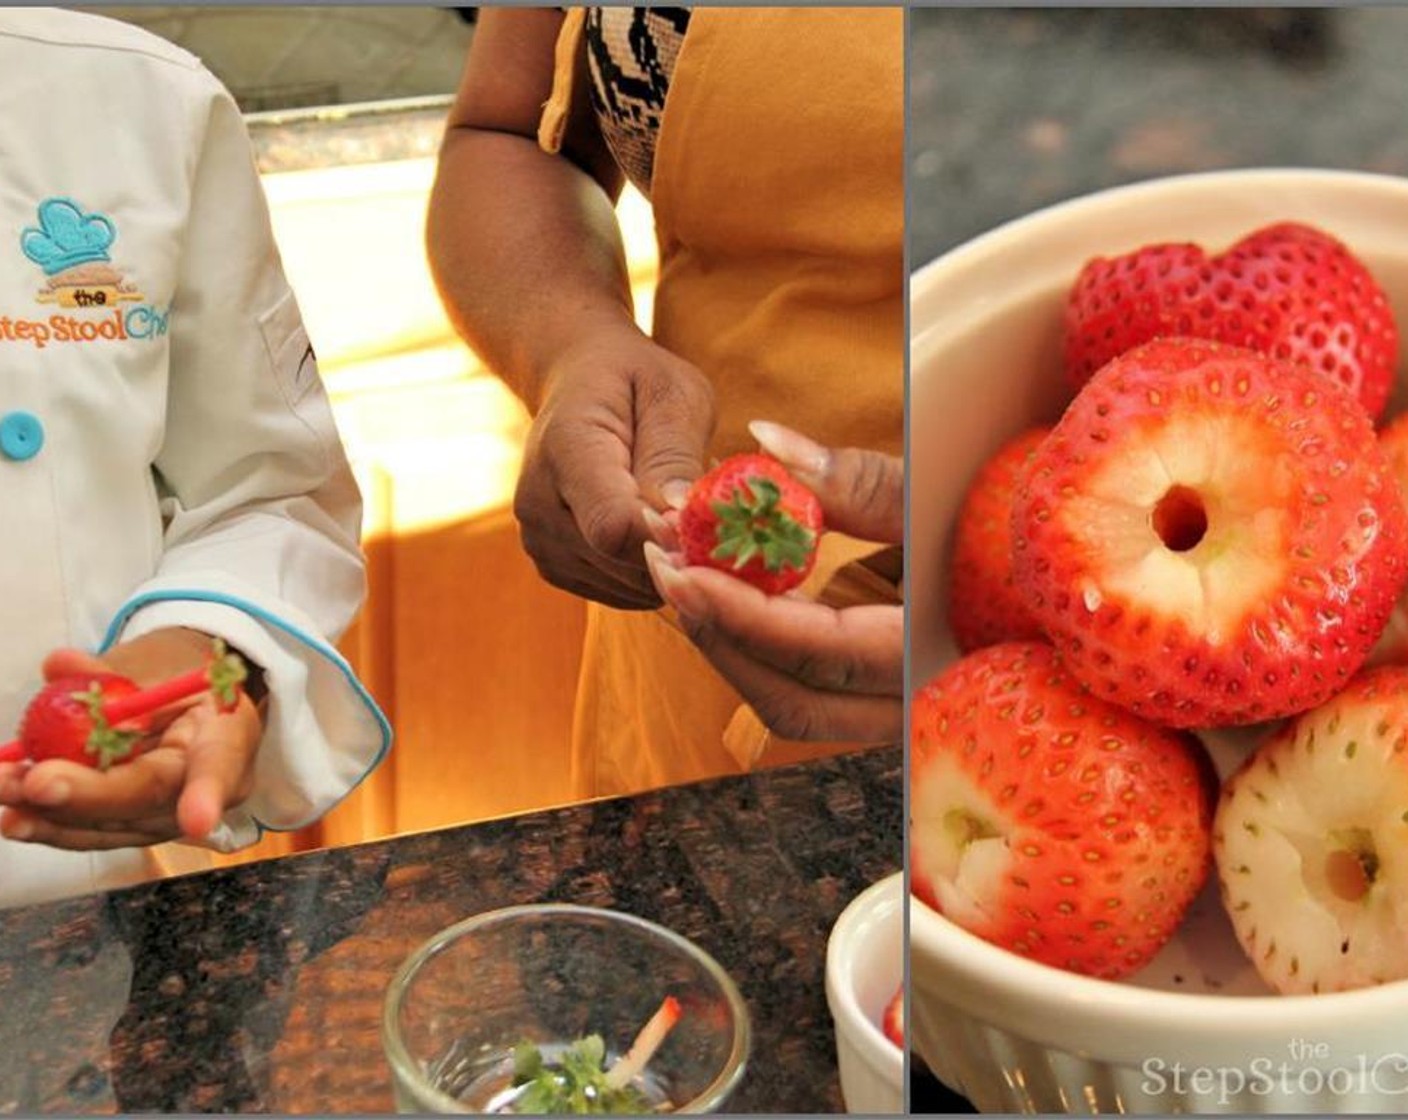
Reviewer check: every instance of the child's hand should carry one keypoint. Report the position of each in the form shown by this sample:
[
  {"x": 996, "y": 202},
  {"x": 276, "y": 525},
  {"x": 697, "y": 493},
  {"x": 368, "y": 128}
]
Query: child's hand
[{"x": 201, "y": 764}]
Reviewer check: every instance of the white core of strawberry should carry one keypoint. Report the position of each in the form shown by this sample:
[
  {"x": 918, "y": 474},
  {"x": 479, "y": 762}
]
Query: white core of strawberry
[
  {"x": 1180, "y": 525},
  {"x": 633, "y": 1062},
  {"x": 960, "y": 845},
  {"x": 970, "y": 897},
  {"x": 1312, "y": 852}
]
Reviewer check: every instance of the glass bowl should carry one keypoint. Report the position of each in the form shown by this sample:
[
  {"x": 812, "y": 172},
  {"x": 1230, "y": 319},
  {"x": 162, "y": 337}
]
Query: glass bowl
[{"x": 550, "y": 975}]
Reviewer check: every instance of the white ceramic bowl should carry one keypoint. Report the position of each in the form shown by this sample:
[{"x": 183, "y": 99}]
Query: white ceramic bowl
[
  {"x": 864, "y": 969},
  {"x": 1196, "y": 1031}
]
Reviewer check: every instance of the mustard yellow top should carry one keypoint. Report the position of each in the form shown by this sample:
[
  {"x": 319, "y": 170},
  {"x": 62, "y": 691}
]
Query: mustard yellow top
[{"x": 778, "y": 194}]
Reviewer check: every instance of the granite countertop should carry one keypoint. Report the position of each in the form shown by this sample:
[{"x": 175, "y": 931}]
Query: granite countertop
[
  {"x": 259, "y": 988},
  {"x": 1012, "y": 110}
]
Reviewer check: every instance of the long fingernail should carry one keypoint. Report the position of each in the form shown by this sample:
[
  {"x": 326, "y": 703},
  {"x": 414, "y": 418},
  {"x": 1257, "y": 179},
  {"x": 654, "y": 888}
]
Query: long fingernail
[
  {"x": 676, "y": 588},
  {"x": 17, "y": 828},
  {"x": 658, "y": 527},
  {"x": 675, "y": 493},
  {"x": 790, "y": 448}
]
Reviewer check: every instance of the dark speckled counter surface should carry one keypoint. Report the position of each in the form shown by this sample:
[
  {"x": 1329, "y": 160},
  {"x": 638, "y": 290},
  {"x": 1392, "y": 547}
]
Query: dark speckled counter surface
[
  {"x": 1014, "y": 109},
  {"x": 259, "y": 988}
]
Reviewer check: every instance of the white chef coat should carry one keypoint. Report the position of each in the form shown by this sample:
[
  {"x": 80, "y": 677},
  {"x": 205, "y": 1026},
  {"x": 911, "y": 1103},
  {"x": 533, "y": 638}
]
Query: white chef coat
[{"x": 168, "y": 456}]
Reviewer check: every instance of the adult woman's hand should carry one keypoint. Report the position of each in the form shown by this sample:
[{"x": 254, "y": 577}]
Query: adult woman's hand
[
  {"x": 810, "y": 671},
  {"x": 621, "y": 434},
  {"x": 201, "y": 764},
  {"x": 528, "y": 257}
]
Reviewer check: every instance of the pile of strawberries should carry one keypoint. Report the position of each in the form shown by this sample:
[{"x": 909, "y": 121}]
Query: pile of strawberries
[{"x": 1214, "y": 535}]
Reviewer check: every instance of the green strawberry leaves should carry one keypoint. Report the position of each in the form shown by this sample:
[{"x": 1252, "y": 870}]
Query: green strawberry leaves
[
  {"x": 226, "y": 674},
  {"x": 575, "y": 1084},
  {"x": 754, "y": 523},
  {"x": 105, "y": 743}
]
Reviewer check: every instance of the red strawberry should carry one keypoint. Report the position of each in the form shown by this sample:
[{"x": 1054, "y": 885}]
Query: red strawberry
[
  {"x": 100, "y": 719},
  {"x": 1288, "y": 291},
  {"x": 1210, "y": 537},
  {"x": 892, "y": 1023},
  {"x": 1393, "y": 440},
  {"x": 984, "y": 607},
  {"x": 64, "y": 720},
  {"x": 752, "y": 519},
  {"x": 1309, "y": 842},
  {"x": 1393, "y": 643},
  {"x": 1048, "y": 821}
]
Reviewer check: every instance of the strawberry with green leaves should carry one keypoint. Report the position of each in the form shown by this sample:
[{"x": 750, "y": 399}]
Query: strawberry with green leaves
[
  {"x": 65, "y": 720},
  {"x": 749, "y": 517},
  {"x": 1311, "y": 843},
  {"x": 1210, "y": 537},
  {"x": 1050, "y": 822},
  {"x": 101, "y": 719}
]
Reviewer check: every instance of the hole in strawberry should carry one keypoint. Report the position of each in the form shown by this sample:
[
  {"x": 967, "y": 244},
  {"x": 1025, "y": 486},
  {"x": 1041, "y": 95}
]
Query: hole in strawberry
[
  {"x": 1350, "y": 870},
  {"x": 1180, "y": 519},
  {"x": 965, "y": 827}
]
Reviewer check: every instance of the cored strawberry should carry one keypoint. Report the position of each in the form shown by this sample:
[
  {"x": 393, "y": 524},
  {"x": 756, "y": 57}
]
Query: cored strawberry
[
  {"x": 983, "y": 606},
  {"x": 1048, "y": 821},
  {"x": 749, "y": 517},
  {"x": 1210, "y": 537},
  {"x": 1288, "y": 291},
  {"x": 64, "y": 720},
  {"x": 1309, "y": 842},
  {"x": 100, "y": 719},
  {"x": 892, "y": 1022}
]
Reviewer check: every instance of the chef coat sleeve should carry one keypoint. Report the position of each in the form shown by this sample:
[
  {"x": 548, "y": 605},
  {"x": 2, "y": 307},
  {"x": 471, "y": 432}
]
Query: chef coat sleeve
[{"x": 262, "y": 512}]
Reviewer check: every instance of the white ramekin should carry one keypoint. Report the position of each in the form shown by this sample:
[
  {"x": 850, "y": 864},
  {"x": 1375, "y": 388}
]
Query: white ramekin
[
  {"x": 1196, "y": 1031},
  {"x": 864, "y": 969}
]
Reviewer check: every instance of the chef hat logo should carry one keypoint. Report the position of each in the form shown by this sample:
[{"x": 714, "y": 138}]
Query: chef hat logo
[{"x": 67, "y": 235}]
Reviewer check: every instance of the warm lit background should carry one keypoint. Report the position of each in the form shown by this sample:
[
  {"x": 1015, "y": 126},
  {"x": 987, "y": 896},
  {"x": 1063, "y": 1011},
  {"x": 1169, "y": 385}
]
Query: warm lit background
[{"x": 471, "y": 655}]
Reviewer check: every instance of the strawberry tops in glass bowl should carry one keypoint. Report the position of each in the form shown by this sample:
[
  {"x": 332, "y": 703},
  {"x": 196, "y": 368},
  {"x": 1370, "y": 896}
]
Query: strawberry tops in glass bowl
[
  {"x": 1196, "y": 1029},
  {"x": 558, "y": 1008}
]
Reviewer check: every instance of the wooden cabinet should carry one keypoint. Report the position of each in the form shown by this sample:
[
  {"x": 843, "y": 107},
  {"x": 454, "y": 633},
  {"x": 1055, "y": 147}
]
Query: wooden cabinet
[
  {"x": 475, "y": 660},
  {"x": 472, "y": 657}
]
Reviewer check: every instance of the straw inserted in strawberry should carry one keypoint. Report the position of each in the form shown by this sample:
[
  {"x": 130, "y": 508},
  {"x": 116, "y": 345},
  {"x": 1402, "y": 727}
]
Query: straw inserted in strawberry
[
  {"x": 222, "y": 676},
  {"x": 103, "y": 723}
]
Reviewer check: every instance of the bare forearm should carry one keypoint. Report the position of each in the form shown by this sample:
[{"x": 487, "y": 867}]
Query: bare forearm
[{"x": 526, "y": 253}]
